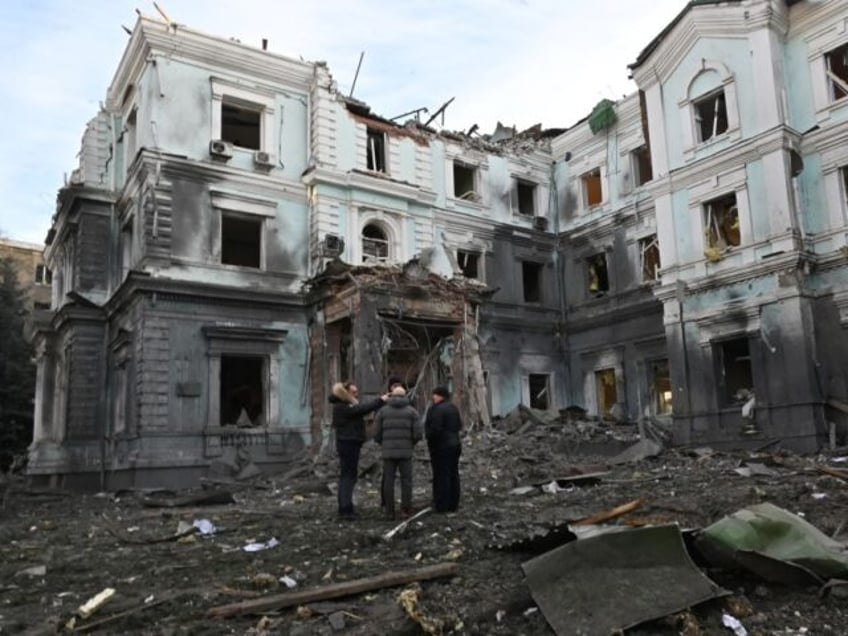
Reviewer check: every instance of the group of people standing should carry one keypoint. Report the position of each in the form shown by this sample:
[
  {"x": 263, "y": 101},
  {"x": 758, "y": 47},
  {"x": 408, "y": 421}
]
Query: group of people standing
[{"x": 398, "y": 430}]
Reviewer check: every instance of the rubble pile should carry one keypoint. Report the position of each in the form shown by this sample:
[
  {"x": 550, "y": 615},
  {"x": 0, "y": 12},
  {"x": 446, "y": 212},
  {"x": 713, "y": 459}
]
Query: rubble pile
[{"x": 566, "y": 525}]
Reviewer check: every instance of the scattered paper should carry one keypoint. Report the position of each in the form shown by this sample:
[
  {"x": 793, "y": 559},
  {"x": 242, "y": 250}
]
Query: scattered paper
[
  {"x": 259, "y": 545},
  {"x": 819, "y": 495},
  {"x": 205, "y": 526},
  {"x": 288, "y": 581},
  {"x": 731, "y": 622}
]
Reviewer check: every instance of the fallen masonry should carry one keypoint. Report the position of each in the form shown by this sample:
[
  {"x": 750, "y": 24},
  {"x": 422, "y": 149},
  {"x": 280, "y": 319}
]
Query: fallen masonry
[{"x": 532, "y": 550}]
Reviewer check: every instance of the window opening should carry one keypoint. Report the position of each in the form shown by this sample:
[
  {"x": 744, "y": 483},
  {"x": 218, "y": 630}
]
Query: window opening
[
  {"x": 465, "y": 181},
  {"x": 596, "y": 267},
  {"x": 737, "y": 375},
  {"x": 649, "y": 253},
  {"x": 661, "y": 387},
  {"x": 469, "y": 263},
  {"x": 722, "y": 222},
  {"x": 43, "y": 276},
  {"x": 539, "y": 391},
  {"x": 240, "y": 125},
  {"x": 241, "y": 241},
  {"x": 592, "y": 190},
  {"x": 531, "y": 275},
  {"x": 607, "y": 391},
  {"x": 375, "y": 151},
  {"x": 526, "y": 195},
  {"x": 242, "y": 391},
  {"x": 375, "y": 244},
  {"x": 837, "y": 71},
  {"x": 642, "y": 166},
  {"x": 711, "y": 115}
]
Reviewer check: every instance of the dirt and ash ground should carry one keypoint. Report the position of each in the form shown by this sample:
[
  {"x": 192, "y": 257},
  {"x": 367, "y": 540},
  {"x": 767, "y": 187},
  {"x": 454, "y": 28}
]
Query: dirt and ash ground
[{"x": 59, "y": 550}]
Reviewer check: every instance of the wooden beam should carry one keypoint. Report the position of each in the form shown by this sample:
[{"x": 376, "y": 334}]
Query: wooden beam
[{"x": 335, "y": 590}]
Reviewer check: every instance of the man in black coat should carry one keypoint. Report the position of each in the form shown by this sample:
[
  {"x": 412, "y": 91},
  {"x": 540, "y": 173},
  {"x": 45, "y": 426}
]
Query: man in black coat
[
  {"x": 442, "y": 427},
  {"x": 349, "y": 425}
]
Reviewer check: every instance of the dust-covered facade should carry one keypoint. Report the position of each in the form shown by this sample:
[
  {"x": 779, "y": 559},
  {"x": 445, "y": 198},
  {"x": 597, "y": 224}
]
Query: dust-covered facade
[{"x": 239, "y": 235}]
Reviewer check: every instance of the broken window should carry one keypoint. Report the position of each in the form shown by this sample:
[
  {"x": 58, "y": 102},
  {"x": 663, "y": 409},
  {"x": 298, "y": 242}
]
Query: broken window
[
  {"x": 242, "y": 391},
  {"x": 43, "y": 276},
  {"x": 525, "y": 197},
  {"x": 607, "y": 391},
  {"x": 598, "y": 275},
  {"x": 592, "y": 191},
  {"x": 539, "y": 390},
  {"x": 711, "y": 115},
  {"x": 661, "y": 393},
  {"x": 375, "y": 243},
  {"x": 126, "y": 246},
  {"x": 375, "y": 151},
  {"x": 241, "y": 241},
  {"x": 130, "y": 138},
  {"x": 837, "y": 71},
  {"x": 649, "y": 254},
  {"x": 465, "y": 181},
  {"x": 721, "y": 222},
  {"x": 844, "y": 172},
  {"x": 240, "y": 125},
  {"x": 642, "y": 168},
  {"x": 469, "y": 263},
  {"x": 735, "y": 367},
  {"x": 531, "y": 278}
]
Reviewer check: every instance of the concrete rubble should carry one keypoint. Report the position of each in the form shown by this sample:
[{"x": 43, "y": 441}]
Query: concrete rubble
[{"x": 71, "y": 547}]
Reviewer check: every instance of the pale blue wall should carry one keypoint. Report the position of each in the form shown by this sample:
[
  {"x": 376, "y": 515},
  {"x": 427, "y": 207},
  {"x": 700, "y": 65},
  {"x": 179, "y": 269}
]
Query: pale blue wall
[
  {"x": 177, "y": 96},
  {"x": 733, "y": 53},
  {"x": 760, "y": 221},
  {"x": 684, "y": 227}
]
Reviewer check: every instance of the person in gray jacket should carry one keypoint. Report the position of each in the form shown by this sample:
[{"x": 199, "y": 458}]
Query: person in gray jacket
[{"x": 398, "y": 430}]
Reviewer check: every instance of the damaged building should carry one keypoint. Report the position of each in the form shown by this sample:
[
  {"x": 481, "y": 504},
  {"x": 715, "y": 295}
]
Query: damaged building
[{"x": 239, "y": 235}]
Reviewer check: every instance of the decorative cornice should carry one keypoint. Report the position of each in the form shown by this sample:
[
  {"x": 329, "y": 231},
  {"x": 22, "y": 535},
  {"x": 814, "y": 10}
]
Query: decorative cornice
[
  {"x": 713, "y": 20},
  {"x": 179, "y": 42},
  {"x": 370, "y": 183}
]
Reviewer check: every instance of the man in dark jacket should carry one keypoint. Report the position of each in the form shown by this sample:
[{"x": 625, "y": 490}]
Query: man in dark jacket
[
  {"x": 349, "y": 424},
  {"x": 442, "y": 427},
  {"x": 398, "y": 430}
]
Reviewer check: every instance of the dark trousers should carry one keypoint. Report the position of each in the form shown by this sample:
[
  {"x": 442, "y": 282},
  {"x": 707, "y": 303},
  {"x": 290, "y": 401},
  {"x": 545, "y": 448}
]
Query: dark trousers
[
  {"x": 445, "y": 465},
  {"x": 348, "y": 451},
  {"x": 391, "y": 466}
]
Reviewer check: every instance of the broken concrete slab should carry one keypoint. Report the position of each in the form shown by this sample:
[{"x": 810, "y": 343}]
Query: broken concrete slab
[
  {"x": 616, "y": 580},
  {"x": 641, "y": 450},
  {"x": 774, "y": 544}
]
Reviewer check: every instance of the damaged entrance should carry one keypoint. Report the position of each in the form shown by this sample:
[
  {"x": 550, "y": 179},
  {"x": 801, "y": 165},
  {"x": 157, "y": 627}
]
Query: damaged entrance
[{"x": 382, "y": 321}]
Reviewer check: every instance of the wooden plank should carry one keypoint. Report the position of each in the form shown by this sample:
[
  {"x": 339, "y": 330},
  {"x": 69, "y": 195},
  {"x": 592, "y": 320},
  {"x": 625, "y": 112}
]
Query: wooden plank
[
  {"x": 609, "y": 515},
  {"x": 335, "y": 590}
]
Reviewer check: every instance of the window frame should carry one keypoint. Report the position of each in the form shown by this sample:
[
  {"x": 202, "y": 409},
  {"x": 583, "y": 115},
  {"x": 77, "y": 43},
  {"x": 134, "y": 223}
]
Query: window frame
[
  {"x": 584, "y": 190},
  {"x": 475, "y": 197},
  {"x": 372, "y": 131},
  {"x": 240, "y": 216},
  {"x": 540, "y": 277},
  {"x": 253, "y": 98}
]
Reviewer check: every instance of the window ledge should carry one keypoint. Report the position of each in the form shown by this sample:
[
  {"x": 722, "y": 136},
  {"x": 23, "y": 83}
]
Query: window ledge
[
  {"x": 825, "y": 112},
  {"x": 732, "y": 134},
  {"x": 477, "y": 205}
]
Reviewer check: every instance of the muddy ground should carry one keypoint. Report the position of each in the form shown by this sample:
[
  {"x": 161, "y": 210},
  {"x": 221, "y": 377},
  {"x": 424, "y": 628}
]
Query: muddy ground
[{"x": 164, "y": 585}]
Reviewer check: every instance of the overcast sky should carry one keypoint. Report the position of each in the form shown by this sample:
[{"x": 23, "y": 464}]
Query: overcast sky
[{"x": 520, "y": 62}]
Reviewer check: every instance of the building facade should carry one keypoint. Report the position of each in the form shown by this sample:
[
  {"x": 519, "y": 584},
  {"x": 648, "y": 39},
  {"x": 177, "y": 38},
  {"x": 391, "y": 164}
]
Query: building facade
[
  {"x": 33, "y": 275},
  {"x": 239, "y": 235}
]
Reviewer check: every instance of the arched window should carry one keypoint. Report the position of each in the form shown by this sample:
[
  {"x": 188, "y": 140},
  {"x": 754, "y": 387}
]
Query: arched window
[{"x": 375, "y": 244}]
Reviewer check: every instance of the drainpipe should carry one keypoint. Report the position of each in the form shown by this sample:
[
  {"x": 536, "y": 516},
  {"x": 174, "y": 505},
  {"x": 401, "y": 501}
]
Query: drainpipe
[{"x": 553, "y": 209}]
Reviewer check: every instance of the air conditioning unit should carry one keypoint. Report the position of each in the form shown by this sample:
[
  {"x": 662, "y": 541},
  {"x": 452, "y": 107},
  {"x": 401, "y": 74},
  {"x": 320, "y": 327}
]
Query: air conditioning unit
[
  {"x": 540, "y": 223},
  {"x": 332, "y": 245},
  {"x": 220, "y": 149},
  {"x": 263, "y": 159}
]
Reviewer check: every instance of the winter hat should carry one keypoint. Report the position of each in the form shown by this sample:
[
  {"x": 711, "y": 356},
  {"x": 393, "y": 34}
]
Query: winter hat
[
  {"x": 442, "y": 391},
  {"x": 398, "y": 391}
]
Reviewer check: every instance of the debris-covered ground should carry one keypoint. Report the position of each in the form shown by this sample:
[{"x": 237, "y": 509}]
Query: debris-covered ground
[{"x": 59, "y": 550}]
